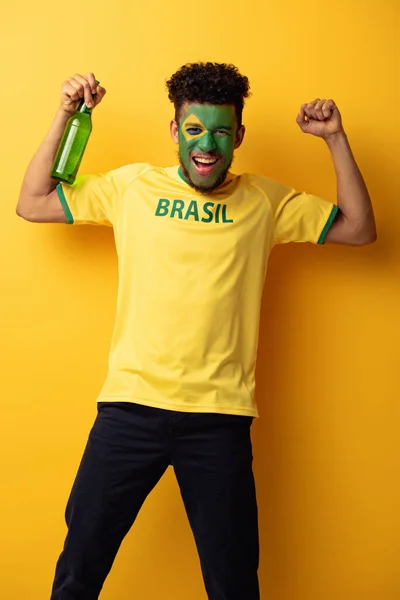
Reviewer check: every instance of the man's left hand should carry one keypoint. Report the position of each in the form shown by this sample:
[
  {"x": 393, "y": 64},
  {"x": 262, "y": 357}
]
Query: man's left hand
[{"x": 320, "y": 118}]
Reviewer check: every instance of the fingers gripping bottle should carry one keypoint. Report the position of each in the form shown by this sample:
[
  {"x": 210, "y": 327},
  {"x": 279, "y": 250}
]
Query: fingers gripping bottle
[{"x": 73, "y": 143}]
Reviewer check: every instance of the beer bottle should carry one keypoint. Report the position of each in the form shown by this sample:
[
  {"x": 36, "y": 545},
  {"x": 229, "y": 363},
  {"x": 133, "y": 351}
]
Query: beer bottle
[{"x": 73, "y": 143}]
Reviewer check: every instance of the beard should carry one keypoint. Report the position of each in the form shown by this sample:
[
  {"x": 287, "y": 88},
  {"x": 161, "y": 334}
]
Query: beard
[{"x": 204, "y": 189}]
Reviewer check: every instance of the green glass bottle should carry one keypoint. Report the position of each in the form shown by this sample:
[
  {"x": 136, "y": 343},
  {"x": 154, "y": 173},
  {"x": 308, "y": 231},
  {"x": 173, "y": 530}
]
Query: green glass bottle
[{"x": 73, "y": 144}]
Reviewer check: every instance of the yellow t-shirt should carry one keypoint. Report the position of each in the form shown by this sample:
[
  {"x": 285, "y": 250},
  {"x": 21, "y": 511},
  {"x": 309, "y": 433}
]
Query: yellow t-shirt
[{"x": 191, "y": 274}]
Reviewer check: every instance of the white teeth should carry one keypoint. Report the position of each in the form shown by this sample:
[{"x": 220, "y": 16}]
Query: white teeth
[{"x": 206, "y": 161}]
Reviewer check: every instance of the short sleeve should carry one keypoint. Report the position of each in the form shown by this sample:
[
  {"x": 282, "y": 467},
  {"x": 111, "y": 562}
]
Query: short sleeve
[
  {"x": 93, "y": 199},
  {"x": 298, "y": 216}
]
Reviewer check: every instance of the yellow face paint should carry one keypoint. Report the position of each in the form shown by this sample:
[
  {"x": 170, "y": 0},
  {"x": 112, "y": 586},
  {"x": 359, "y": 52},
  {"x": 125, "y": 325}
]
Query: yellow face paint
[{"x": 193, "y": 122}]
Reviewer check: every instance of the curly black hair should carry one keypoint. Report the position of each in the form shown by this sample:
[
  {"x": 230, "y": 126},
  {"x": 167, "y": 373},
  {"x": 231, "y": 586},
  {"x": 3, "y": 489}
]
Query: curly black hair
[{"x": 208, "y": 83}]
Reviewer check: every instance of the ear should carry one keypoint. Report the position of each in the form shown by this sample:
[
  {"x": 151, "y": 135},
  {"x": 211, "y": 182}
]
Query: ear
[
  {"x": 239, "y": 136},
  {"x": 174, "y": 128}
]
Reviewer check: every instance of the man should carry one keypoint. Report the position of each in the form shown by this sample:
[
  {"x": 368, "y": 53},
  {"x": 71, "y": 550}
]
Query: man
[{"x": 193, "y": 244}]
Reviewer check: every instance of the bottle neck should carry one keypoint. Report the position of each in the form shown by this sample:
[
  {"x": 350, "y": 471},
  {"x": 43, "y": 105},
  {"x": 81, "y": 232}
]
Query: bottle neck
[{"x": 83, "y": 108}]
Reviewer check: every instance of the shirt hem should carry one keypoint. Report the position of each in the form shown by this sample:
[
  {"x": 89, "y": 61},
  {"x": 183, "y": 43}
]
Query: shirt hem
[
  {"x": 64, "y": 204},
  {"x": 328, "y": 224},
  {"x": 226, "y": 410}
]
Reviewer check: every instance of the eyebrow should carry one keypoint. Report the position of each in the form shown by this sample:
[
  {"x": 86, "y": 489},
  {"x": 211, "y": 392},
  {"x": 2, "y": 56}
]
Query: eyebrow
[{"x": 198, "y": 126}]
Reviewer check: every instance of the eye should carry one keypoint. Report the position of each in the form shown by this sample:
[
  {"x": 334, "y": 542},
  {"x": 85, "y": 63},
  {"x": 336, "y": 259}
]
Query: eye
[
  {"x": 222, "y": 132},
  {"x": 193, "y": 130}
]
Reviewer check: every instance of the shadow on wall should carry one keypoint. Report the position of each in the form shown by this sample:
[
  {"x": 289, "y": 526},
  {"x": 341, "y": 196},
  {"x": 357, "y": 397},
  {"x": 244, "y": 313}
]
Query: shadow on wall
[{"x": 270, "y": 434}]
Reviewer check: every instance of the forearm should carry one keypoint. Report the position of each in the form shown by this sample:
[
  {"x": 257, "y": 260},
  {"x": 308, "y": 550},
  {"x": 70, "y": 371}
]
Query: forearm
[
  {"x": 352, "y": 194},
  {"x": 37, "y": 181}
]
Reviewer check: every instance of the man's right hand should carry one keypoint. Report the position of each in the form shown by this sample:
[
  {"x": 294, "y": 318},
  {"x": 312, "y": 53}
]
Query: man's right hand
[{"x": 77, "y": 87}]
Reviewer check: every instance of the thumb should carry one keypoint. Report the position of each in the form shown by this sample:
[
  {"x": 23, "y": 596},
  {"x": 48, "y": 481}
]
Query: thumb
[
  {"x": 301, "y": 118},
  {"x": 100, "y": 93}
]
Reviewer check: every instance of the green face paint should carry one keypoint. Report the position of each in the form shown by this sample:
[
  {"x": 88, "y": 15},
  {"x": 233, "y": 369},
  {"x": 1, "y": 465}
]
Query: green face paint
[{"x": 207, "y": 136}]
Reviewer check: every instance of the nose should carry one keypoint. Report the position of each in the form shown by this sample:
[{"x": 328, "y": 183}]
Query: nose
[{"x": 207, "y": 142}]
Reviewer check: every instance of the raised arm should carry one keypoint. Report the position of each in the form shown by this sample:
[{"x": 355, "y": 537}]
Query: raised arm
[
  {"x": 355, "y": 223},
  {"x": 38, "y": 200}
]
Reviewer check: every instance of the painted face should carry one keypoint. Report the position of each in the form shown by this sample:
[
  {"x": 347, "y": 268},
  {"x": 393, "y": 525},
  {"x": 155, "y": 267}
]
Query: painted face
[{"x": 207, "y": 136}]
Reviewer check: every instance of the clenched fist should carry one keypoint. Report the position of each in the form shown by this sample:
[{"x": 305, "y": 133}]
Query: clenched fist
[
  {"x": 77, "y": 87},
  {"x": 321, "y": 118}
]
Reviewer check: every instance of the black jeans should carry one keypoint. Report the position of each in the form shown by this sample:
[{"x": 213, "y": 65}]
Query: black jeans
[{"x": 129, "y": 448}]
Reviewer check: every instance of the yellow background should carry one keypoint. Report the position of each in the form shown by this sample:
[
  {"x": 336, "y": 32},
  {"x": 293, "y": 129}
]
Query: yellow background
[{"x": 327, "y": 444}]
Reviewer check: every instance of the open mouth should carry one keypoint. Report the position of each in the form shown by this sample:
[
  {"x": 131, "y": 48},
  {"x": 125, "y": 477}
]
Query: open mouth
[{"x": 205, "y": 165}]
